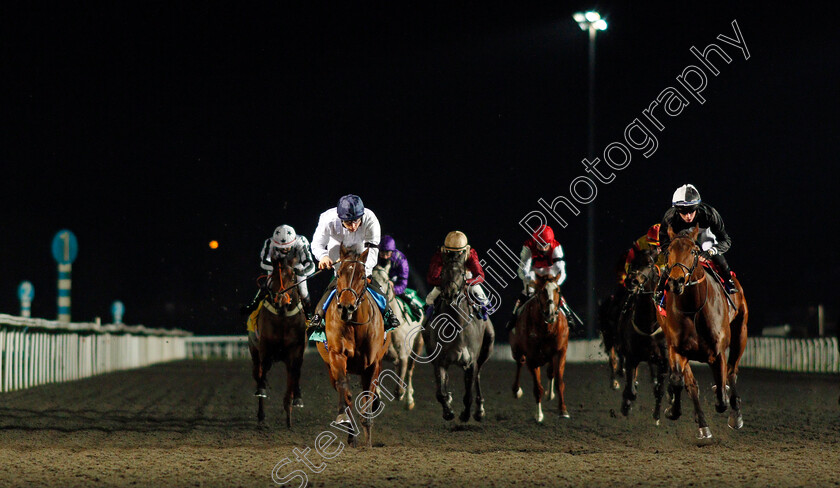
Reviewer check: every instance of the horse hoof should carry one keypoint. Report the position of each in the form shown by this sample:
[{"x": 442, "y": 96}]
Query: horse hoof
[
  {"x": 448, "y": 415},
  {"x": 721, "y": 407},
  {"x": 343, "y": 420},
  {"x": 671, "y": 414},
  {"x": 625, "y": 409},
  {"x": 657, "y": 422},
  {"x": 297, "y": 402},
  {"x": 517, "y": 393},
  {"x": 479, "y": 415},
  {"x": 465, "y": 416},
  {"x": 704, "y": 436},
  {"x": 565, "y": 415},
  {"x": 261, "y": 393},
  {"x": 409, "y": 406},
  {"x": 615, "y": 385},
  {"x": 735, "y": 421}
]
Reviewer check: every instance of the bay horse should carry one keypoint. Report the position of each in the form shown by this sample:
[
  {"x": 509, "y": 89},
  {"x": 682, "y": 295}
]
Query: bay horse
[
  {"x": 640, "y": 329},
  {"x": 279, "y": 335},
  {"x": 356, "y": 342},
  {"x": 458, "y": 336},
  {"x": 608, "y": 314},
  {"x": 541, "y": 336},
  {"x": 400, "y": 350},
  {"x": 700, "y": 325}
]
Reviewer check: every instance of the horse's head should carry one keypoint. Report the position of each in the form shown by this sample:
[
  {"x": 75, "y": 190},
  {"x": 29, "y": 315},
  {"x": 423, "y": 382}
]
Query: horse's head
[
  {"x": 282, "y": 278},
  {"x": 381, "y": 275},
  {"x": 683, "y": 257},
  {"x": 548, "y": 296},
  {"x": 350, "y": 282},
  {"x": 643, "y": 274},
  {"x": 453, "y": 276}
]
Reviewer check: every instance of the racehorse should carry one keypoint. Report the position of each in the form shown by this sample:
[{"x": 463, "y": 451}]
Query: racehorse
[
  {"x": 541, "y": 336},
  {"x": 608, "y": 312},
  {"x": 700, "y": 325},
  {"x": 458, "y": 336},
  {"x": 356, "y": 342},
  {"x": 400, "y": 350},
  {"x": 279, "y": 335},
  {"x": 641, "y": 335}
]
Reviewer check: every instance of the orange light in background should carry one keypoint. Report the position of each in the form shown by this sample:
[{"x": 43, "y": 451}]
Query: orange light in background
[{"x": 214, "y": 244}]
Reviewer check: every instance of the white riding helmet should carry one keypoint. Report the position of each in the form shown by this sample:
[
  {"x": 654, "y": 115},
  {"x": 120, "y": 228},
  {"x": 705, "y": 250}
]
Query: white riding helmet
[
  {"x": 686, "y": 196},
  {"x": 284, "y": 237}
]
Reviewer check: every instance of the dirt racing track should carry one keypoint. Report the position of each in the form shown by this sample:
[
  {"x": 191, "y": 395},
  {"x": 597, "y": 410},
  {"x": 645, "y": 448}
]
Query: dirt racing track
[{"x": 193, "y": 423}]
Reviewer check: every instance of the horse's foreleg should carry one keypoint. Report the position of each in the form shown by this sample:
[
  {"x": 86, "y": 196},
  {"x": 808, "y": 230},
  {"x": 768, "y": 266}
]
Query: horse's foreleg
[
  {"x": 629, "y": 395},
  {"x": 469, "y": 381},
  {"x": 661, "y": 366},
  {"x": 676, "y": 382},
  {"x": 483, "y": 355},
  {"x": 338, "y": 371},
  {"x": 401, "y": 390},
  {"x": 718, "y": 366},
  {"x": 517, "y": 389},
  {"x": 737, "y": 343},
  {"x": 442, "y": 394},
  {"x": 538, "y": 391},
  {"x": 613, "y": 357},
  {"x": 560, "y": 369},
  {"x": 704, "y": 434},
  {"x": 368, "y": 409},
  {"x": 296, "y": 366}
]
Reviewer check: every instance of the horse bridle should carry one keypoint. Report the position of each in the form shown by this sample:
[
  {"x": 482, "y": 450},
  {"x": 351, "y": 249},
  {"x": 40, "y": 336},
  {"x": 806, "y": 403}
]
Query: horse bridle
[
  {"x": 641, "y": 291},
  {"x": 689, "y": 272},
  {"x": 358, "y": 296}
]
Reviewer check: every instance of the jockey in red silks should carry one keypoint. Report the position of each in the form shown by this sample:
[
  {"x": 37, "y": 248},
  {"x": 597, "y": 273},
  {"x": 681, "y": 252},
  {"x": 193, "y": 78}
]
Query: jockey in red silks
[
  {"x": 456, "y": 241},
  {"x": 541, "y": 255}
]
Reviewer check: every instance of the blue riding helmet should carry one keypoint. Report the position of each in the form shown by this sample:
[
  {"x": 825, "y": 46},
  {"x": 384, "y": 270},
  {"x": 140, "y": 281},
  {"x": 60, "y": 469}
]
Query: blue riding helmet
[
  {"x": 387, "y": 244},
  {"x": 350, "y": 207}
]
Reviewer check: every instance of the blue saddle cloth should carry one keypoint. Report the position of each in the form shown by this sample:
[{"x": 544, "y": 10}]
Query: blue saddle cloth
[{"x": 378, "y": 298}]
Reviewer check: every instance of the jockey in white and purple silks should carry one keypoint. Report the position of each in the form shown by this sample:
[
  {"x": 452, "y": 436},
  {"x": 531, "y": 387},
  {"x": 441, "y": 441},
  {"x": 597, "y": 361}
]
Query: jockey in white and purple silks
[{"x": 398, "y": 272}]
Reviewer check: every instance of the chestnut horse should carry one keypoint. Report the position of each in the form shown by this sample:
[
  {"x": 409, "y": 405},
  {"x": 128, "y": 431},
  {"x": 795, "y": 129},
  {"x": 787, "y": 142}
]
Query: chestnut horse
[
  {"x": 356, "y": 341},
  {"x": 541, "y": 336},
  {"x": 640, "y": 330},
  {"x": 700, "y": 325},
  {"x": 279, "y": 336}
]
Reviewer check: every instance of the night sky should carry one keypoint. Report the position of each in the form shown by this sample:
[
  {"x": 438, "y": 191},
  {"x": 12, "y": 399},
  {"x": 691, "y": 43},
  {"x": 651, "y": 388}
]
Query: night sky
[{"x": 149, "y": 129}]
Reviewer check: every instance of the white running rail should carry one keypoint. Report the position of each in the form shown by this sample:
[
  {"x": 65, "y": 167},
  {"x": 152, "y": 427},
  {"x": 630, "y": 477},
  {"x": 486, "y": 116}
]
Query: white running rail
[{"x": 37, "y": 351}]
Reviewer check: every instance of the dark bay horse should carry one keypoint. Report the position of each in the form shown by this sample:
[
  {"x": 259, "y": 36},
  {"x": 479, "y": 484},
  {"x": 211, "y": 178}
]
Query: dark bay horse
[
  {"x": 608, "y": 314},
  {"x": 457, "y": 335},
  {"x": 640, "y": 327},
  {"x": 279, "y": 335},
  {"x": 700, "y": 326},
  {"x": 541, "y": 336},
  {"x": 356, "y": 342}
]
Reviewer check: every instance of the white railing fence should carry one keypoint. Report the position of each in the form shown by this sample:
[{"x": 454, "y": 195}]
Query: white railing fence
[
  {"x": 36, "y": 351},
  {"x": 217, "y": 347}
]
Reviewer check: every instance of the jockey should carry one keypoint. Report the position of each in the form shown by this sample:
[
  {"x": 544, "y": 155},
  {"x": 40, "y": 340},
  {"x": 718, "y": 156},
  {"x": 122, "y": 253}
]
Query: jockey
[
  {"x": 352, "y": 225},
  {"x": 456, "y": 241},
  {"x": 285, "y": 245},
  {"x": 644, "y": 243},
  {"x": 687, "y": 210},
  {"x": 398, "y": 271},
  {"x": 541, "y": 255}
]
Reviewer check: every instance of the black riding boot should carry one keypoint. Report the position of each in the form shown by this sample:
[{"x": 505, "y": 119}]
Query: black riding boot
[
  {"x": 250, "y": 307},
  {"x": 307, "y": 306},
  {"x": 316, "y": 323},
  {"x": 725, "y": 273},
  {"x": 520, "y": 300}
]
